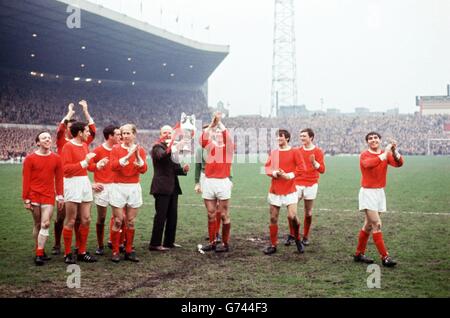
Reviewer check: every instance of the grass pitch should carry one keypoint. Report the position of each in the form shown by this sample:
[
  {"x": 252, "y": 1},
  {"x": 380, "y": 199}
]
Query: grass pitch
[{"x": 416, "y": 230}]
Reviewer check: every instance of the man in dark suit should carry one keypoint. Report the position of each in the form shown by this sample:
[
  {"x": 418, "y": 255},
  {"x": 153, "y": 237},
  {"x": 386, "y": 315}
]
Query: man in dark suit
[{"x": 165, "y": 188}]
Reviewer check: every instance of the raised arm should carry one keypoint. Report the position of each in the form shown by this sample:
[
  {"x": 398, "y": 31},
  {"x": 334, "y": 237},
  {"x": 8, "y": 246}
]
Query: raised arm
[
  {"x": 62, "y": 125},
  {"x": 394, "y": 158}
]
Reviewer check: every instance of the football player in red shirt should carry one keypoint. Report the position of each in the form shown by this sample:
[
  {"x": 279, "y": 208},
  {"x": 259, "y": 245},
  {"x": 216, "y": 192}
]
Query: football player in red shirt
[
  {"x": 216, "y": 191},
  {"x": 42, "y": 177},
  {"x": 372, "y": 200},
  {"x": 63, "y": 135},
  {"x": 128, "y": 161},
  {"x": 103, "y": 178},
  {"x": 307, "y": 184},
  {"x": 77, "y": 191},
  {"x": 283, "y": 165}
]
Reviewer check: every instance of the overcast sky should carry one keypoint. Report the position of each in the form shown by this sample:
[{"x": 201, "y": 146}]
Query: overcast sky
[{"x": 378, "y": 54}]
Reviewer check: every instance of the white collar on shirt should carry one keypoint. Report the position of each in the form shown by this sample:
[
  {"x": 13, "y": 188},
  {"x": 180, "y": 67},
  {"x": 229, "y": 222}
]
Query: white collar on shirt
[
  {"x": 309, "y": 149},
  {"x": 375, "y": 153},
  {"x": 42, "y": 155},
  {"x": 285, "y": 149},
  {"x": 75, "y": 143},
  {"x": 106, "y": 147}
]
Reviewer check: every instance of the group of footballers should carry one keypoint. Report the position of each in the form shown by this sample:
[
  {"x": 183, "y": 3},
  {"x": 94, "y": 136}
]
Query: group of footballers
[{"x": 118, "y": 163}]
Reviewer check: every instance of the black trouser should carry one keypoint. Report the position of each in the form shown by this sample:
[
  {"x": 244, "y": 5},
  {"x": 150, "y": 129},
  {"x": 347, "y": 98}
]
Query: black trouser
[{"x": 166, "y": 213}]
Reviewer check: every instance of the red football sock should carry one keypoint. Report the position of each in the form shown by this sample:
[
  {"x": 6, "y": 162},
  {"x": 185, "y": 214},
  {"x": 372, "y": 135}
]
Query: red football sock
[
  {"x": 306, "y": 226},
  {"x": 379, "y": 242},
  {"x": 212, "y": 231},
  {"x": 218, "y": 221},
  {"x": 100, "y": 234},
  {"x": 77, "y": 234},
  {"x": 67, "y": 234},
  {"x": 39, "y": 252},
  {"x": 226, "y": 233},
  {"x": 115, "y": 238},
  {"x": 362, "y": 242},
  {"x": 130, "y": 238},
  {"x": 83, "y": 232},
  {"x": 273, "y": 228}
]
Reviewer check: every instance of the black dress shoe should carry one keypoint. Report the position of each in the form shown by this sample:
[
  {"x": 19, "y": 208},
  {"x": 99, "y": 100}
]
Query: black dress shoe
[
  {"x": 158, "y": 248},
  {"x": 173, "y": 246}
]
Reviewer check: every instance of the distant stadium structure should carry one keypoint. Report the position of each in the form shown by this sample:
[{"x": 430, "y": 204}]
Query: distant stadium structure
[
  {"x": 58, "y": 51},
  {"x": 431, "y": 105}
]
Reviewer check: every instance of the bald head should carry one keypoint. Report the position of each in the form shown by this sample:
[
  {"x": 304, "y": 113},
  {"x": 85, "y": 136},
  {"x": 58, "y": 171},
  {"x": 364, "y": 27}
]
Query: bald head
[
  {"x": 165, "y": 128},
  {"x": 166, "y": 132}
]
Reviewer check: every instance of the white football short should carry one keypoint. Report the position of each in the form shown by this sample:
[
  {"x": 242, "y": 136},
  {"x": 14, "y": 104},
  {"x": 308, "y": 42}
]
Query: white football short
[
  {"x": 307, "y": 193},
  {"x": 372, "y": 199},
  {"x": 214, "y": 188},
  {"x": 280, "y": 199},
  {"x": 77, "y": 189},
  {"x": 122, "y": 194},
  {"x": 102, "y": 198}
]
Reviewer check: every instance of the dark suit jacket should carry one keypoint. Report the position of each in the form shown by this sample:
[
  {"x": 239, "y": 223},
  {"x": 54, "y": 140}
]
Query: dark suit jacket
[{"x": 165, "y": 180}]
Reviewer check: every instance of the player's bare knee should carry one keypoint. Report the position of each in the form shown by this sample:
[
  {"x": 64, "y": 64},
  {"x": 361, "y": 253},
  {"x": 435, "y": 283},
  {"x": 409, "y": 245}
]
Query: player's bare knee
[
  {"x": 273, "y": 220},
  {"x": 86, "y": 221},
  {"x": 212, "y": 215},
  {"x": 117, "y": 223},
  {"x": 292, "y": 217},
  {"x": 45, "y": 224},
  {"x": 377, "y": 227}
]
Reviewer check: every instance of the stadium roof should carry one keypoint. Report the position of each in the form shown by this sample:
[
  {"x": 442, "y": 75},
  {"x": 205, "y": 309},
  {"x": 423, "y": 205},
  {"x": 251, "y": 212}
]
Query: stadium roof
[{"x": 108, "y": 45}]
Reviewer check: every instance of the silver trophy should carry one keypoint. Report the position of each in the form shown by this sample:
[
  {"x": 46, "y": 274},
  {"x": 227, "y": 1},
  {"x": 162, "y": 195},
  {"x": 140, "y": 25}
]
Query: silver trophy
[{"x": 185, "y": 133}]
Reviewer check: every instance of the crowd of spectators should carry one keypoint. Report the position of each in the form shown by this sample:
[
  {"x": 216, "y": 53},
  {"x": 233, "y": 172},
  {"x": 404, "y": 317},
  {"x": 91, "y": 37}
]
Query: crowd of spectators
[
  {"x": 25, "y": 100},
  {"x": 34, "y": 101},
  {"x": 345, "y": 134}
]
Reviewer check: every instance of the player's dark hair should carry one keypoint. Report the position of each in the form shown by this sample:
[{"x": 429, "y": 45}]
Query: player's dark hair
[
  {"x": 109, "y": 131},
  {"x": 285, "y": 133},
  {"x": 41, "y": 132},
  {"x": 309, "y": 131},
  {"x": 371, "y": 134},
  {"x": 77, "y": 127}
]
